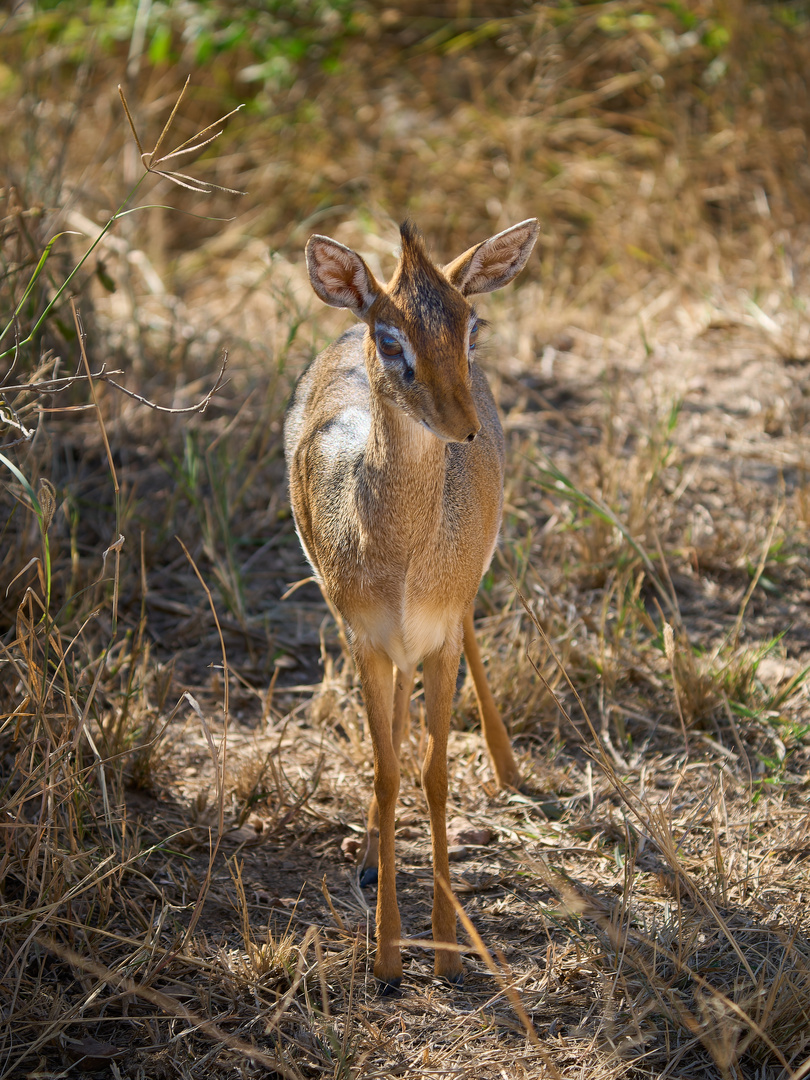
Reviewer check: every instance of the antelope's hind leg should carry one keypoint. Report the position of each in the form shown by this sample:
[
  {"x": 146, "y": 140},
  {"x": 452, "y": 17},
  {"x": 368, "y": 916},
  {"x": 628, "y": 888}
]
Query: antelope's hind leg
[{"x": 495, "y": 733}]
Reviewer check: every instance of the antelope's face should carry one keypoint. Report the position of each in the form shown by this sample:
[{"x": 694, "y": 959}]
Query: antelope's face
[
  {"x": 424, "y": 334},
  {"x": 422, "y": 329}
]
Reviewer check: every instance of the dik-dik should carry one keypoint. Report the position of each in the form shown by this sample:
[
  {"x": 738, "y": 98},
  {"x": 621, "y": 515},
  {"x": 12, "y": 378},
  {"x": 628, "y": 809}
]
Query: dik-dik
[{"x": 395, "y": 455}]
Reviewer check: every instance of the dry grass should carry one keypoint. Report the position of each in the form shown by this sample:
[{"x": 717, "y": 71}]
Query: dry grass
[{"x": 182, "y": 746}]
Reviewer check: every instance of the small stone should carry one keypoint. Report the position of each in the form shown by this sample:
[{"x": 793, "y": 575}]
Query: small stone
[
  {"x": 461, "y": 831},
  {"x": 351, "y": 848}
]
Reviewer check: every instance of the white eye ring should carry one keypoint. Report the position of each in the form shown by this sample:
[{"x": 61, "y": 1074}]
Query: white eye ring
[
  {"x": 472, "y": 341},
  {"x": 395, "y": 351},
  {"x": 389, "y": 346}
]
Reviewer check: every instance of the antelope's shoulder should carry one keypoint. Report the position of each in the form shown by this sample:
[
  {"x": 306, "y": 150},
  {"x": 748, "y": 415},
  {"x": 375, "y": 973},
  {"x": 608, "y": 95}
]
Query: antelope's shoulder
[{"x": 330, "y": 395}]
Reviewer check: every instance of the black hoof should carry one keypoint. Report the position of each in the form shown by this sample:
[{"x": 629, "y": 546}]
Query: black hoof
[
  {"x": 368, "y": 877},
  {"x": 454, "y": 980},
  {"x": 388, "y": 987}
]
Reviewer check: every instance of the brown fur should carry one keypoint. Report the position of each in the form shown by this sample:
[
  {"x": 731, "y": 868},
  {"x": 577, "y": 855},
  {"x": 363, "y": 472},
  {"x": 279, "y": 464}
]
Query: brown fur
[{"x": 396, "y": 478}]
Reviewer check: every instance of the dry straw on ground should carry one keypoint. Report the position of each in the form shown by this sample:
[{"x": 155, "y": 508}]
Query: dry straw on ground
[{"x": 182, "y": 746}]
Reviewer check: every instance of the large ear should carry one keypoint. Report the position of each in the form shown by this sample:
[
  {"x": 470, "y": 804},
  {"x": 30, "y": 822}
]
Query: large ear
[
  {"x": 495, "y": 262},
  {"x": 339, "y": 276}
]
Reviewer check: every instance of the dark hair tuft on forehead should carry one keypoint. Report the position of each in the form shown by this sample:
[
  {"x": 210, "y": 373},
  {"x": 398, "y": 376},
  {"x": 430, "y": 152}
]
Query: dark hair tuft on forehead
[
  {"x": 422, "y": 287},
  {"x": 414, "y": 257},
  {"x": 414, "y": 250},
  {"x": 409, "y": 232}
]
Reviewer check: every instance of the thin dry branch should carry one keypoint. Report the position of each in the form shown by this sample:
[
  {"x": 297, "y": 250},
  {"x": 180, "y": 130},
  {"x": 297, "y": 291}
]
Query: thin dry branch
[{"x": 201, "y": 405}]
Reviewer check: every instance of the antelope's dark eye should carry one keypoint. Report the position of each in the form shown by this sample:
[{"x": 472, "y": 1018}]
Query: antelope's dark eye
[
  {"x": 473, "y": 336},
  {"x": 389, "y": 346}
]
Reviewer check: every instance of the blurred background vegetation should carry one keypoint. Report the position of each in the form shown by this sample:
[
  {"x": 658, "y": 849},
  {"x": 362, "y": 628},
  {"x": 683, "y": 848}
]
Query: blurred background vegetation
[{"x": 644, "y": 136}]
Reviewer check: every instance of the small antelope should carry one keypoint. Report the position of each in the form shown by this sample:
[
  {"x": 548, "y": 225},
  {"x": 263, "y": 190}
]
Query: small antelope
[{"x": 395, "y": 455}]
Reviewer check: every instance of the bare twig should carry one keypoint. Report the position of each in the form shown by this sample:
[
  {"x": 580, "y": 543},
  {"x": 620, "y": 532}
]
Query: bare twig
[{"x": 200, "y": 407}]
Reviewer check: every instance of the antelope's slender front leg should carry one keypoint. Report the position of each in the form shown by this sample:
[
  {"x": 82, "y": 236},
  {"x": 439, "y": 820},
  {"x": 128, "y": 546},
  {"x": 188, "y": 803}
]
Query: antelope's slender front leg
[
  {"x": 496, "y": 735},
  {"x": 376, "y": 677},
  {"x": 403, "y": 684},
  {"x": 439, "y": 674}
]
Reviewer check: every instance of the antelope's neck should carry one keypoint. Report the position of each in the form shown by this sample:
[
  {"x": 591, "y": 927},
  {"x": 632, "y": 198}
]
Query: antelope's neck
[{"x": 405, "y": 466}]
